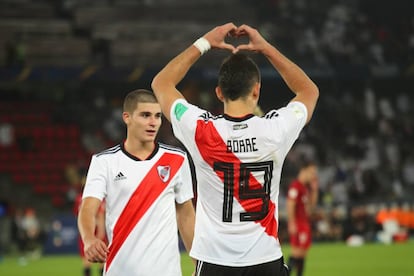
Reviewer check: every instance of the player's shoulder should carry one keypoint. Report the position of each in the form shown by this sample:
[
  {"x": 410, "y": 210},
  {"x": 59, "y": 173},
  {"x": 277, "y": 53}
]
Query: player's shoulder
[
  {"x": 272, "y": 114},
  {"x": 108, "y": 152},
  {"x": 295, "y": 184},
  {"x": 172, "y": 149},
  {"x": 294, "y": 106},
  {"x": 294, "y": 189}
]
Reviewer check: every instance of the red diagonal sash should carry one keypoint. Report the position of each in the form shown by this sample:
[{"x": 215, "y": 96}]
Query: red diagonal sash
[
  {"x": 212, "y": 148},
  {"x": 141, "y": 200}
]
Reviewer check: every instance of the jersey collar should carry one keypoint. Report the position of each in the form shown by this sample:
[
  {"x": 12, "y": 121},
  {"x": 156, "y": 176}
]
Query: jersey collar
[
  {"x": 238, "y": 119},
  {"x": 154, "y": 152}
]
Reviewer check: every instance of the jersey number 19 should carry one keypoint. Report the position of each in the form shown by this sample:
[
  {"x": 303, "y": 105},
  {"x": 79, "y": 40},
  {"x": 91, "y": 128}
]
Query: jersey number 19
[{"x": 250, "y": 193}]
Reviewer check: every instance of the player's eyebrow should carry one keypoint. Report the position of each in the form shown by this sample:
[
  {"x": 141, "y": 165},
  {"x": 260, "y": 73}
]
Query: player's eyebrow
[{"x": 148, "y": 113}]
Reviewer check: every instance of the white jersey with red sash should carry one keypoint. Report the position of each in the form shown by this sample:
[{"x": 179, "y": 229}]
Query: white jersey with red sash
[
  {"x": 140, "y": 208},
  {"x": 238, "y": 165}
]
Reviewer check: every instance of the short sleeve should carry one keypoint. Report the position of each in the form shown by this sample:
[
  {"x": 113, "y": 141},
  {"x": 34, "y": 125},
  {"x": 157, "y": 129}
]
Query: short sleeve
[
  {"x": 184, "y": 120},
  {"x": 96, "y": 179},
  {"x": 293, "y": 193},
  {"x": 292, "y": 120},
  {"x": 184, "y": 186}
]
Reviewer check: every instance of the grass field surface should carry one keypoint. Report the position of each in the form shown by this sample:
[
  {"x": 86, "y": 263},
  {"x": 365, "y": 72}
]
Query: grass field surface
[{"x": 323, "y": 260}]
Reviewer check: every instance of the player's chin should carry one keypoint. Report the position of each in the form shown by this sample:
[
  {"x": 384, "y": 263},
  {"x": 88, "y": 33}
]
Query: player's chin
[{"x": 150, "y": 138}]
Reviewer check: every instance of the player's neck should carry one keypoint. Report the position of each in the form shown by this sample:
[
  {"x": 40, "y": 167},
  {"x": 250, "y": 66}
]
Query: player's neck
[
  {"x": 139, "y": 149},
  {"x": 238, "y": 108},
  {"x": 302, "y": 180}
]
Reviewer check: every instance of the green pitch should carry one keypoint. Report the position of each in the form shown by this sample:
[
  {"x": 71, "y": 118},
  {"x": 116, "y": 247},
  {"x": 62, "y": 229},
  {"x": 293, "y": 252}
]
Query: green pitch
[
  {"x": 323, "y": 260},
  {"x": 367, "y": 260}
]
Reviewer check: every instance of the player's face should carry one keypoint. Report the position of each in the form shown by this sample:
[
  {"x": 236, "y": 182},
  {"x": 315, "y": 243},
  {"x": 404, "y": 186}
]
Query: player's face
[
  {"x": 311, "y": 174},
  {"x": 145, "y": 122}
]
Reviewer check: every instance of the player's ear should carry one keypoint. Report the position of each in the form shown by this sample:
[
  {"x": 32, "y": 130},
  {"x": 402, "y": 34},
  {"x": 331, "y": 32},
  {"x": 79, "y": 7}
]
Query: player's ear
[
  {"x": 126, "y": 117},
  {"x": 256, "y": 91},
  {"x": 219, "y": 94}
]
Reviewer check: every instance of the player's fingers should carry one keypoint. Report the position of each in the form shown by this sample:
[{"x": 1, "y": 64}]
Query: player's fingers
[
  {"x": 90, "y": 256},
  {"x": 245, "y": 30},
  {"x": 97, "y": 252},
  {"x": 247, "y": 47},
  {"x": 101, "y": 252},
  {"x": 228, "y": 46},
  {"x": 97, "y": 258},
  {"x": 229, "y": 27},
  {"x": 90, "y": 259},
  {"x": 102, "y": 246},
  {"x": 232, "y": 33}
]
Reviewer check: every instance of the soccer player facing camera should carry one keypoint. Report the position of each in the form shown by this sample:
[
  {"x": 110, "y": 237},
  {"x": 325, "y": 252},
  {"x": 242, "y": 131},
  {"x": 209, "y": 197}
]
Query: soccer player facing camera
[{"x": 147, "y": 187}]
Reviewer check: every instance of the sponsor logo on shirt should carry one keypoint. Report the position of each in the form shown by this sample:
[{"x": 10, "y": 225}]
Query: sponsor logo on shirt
[
  {"x": 240, "y": 126},
  {"x": 179, "y": 110},
  {"x": 164, "y": 172},
  {"x": 119, "y": 176}
]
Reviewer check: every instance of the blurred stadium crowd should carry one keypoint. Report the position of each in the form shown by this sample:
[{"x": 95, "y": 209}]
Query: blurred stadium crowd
[{"x": 66, "y": 65}]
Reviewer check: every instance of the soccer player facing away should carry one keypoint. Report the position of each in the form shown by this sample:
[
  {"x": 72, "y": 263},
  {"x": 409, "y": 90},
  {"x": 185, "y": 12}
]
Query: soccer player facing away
[
  {"x": 147, "y": 187},
  {"x": 302, "y": 198},
  {"x": 238, "y": 157}
]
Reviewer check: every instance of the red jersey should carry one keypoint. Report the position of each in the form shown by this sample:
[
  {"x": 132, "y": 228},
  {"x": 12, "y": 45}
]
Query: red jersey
[{"x": 299, "y": 193}]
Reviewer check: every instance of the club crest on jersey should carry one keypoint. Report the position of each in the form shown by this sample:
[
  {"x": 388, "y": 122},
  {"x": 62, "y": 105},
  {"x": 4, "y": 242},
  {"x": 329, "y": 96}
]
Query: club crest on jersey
[{"x": 164, "y": 172}]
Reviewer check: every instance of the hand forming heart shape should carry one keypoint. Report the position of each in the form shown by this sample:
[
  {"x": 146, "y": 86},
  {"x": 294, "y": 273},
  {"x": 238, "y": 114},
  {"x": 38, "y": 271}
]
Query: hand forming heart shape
[{"x": 216, "y": 38}]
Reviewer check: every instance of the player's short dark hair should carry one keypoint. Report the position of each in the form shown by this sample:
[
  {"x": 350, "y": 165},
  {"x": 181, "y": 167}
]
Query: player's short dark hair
[
  {"x": 237, "y": 76},
  {"x": 306, "y": 163},
  {"x": 302, "y": 164},
  {"x": 138, "y": 96}
]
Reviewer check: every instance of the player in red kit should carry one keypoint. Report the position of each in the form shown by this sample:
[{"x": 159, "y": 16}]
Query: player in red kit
[{"x": 301, "y": 200}]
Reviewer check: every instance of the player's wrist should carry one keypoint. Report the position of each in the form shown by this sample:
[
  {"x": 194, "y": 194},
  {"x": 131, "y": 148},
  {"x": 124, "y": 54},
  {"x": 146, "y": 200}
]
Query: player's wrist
[{"x": 203, "y": 45}]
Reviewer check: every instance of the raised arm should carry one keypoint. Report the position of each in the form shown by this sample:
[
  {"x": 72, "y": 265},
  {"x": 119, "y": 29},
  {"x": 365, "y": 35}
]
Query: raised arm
[
  {"x": 165, "y": 82},
  {"x": 296, "y": 79}
]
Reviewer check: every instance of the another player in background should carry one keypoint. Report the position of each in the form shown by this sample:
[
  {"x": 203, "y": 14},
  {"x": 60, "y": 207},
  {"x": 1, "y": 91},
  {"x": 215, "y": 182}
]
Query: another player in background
[
  {"x": 238, "y": 156},
  {"x": 99, "y": 233},
  {"x": 302, "y": 198},
  {"x": 147, "y": 187}
]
